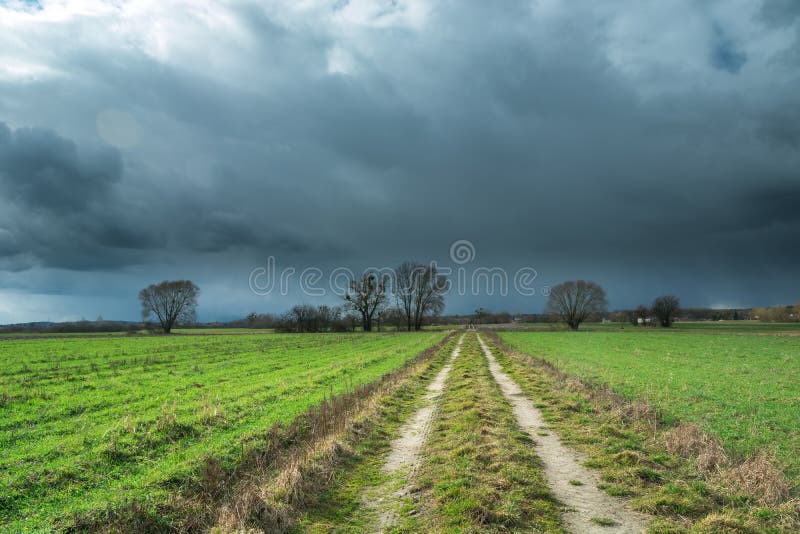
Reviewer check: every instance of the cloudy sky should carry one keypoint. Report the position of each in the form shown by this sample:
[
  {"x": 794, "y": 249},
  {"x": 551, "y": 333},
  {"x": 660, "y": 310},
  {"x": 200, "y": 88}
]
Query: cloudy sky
[{"x": 650, "y": 146}]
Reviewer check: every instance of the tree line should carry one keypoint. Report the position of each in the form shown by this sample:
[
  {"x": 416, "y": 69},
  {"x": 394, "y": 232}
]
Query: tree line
[
  {"x": 413, "y": 293},
  {"x": 416, "y": 290},
  {"x": 575, "y": 301}
]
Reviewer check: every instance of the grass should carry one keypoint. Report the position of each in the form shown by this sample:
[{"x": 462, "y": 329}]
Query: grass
[
  {"x": 745, "y": 389},
  {"x": 742, "y": 327},
  {"x": 603, "y": 521},
  {"x": 737, "y": 326},
  {"x": 340, "y": 508},
  {"x": 479, "y": 472},
  {"x": 212, "y": 331},
  {"x": 89, "y": 423},
  {"x": 626, "y": 442}
]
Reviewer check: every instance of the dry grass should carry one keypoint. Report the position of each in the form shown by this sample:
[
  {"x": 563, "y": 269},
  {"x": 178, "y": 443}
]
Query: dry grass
[
  {"x": 270, "y": 502},
  {"x": 690, "y": 441},
  {"x": 759, "y": 478},
  {"x": 274, "y": 486},
  {"x": 720, "y": 523},
  {"x": 789, "y": 515}
]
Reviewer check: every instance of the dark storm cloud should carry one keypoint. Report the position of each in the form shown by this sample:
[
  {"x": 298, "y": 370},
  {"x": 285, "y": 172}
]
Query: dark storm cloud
[
  {"x": 44, "y": 171},
  {"x": 781, "y": 125},
  {"x": 67, "y": 209},
  {"x": 63, "y": 205},
  {"x": 774, "y": 204},
  {"x": 724, "y": 53},
  {"x": 780, "y": 13},
  {"x": 581, "y": 141}
]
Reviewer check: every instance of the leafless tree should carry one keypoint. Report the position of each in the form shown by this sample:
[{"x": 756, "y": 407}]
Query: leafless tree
[
  {"x": 366, "y": 296},
  {"x": 574, "y": 301},
  {"x": 394, "y": 317},
  {"x": 308, "y": 318},
  {"x": 256, "y": 320},
  {"x": 172, "y": 302},
  {"x": 419, "y": 292},
  {"x": 665, "y": 308}
]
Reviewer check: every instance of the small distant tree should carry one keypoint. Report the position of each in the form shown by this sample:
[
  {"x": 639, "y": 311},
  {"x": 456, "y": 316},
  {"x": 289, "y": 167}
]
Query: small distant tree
[
  {"x": 773, "y": 314},
  {"x": 366, "y": 296},
  {"x": 171, "y": 302},
  {"x": 665, "y": 308},
  {"x": 619, "y": 317},
  {"x": 351, "y": 321},
  {"x": 480, "y": 316},
  {"x": 394, "y": 318},
  {"x": 574, "y": 301},
  {"x": 640, "y": 315}
]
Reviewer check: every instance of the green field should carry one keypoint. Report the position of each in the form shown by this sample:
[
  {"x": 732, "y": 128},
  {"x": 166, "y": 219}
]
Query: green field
[
  {"x": 743, "y": 388},
  {"x": 739, "y": 327},
  {"x": 182, "y": 331},
  {"x": 88, "y": 422}
]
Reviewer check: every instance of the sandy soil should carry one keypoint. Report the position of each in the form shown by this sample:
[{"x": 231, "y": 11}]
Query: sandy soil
[
  {"x": 403, "y": 458},
  {"x": 560, "y": 465}
]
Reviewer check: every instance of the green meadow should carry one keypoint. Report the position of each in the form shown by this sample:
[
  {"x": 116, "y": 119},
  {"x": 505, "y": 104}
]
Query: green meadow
[
  {"x": 87, "y": 423},
  {"x": 744, "y": 388}
]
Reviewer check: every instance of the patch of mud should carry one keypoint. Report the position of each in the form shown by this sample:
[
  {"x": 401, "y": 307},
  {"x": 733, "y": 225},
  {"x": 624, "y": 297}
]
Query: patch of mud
[{"x": 586, "y": 504}]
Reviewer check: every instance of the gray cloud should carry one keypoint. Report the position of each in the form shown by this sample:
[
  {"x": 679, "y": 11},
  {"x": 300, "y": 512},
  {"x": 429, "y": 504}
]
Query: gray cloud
[
  {"x": 781, "y": 125},
  {"x": 557, "y": 137},
  {"x": 44, "y": 171},
  {"x": 724, "y": 53},
  {"x": 780, "y": 13}
]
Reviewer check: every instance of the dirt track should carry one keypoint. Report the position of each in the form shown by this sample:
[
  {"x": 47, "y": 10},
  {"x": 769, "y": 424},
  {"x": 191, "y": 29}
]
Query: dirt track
[
  {"x": 403, "y": 458},
  {"x": 561, "y": 465}
]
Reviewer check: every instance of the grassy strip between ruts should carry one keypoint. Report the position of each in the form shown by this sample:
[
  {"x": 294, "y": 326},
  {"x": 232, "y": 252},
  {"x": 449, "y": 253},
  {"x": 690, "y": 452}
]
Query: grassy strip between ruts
[
  {"x": 673, "y": 472},
  {"x": 275, "y": 478},
  {"x": 479, "y": 472},
  {"x": 340, "y": 508}
]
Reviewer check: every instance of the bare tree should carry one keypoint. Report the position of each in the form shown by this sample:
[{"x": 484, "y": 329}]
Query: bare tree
[
  {"x": 574, "y": 301},
  {"x": 419, "y": 292},
  {"x": 665, "y": 308},
  {"x": 404, "y": 291},
  {"x": 366, "y": 297},
  {"x": 172, "y": 302},
  {"x": 395, "y": 318},
  {"x": 308, "y": 318}
]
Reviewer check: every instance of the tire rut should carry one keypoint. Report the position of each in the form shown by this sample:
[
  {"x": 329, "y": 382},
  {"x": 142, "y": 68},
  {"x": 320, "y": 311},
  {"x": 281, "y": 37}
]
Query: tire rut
[
  {"x": 585, "y": 503},
  {"x": 404, "y": 456}
]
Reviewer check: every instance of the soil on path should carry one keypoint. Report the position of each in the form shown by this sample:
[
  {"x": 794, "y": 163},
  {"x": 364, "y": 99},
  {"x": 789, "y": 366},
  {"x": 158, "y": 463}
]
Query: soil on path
[
  {"x": 587, "y": 506},
  {"x": 404, "y": 456}
]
